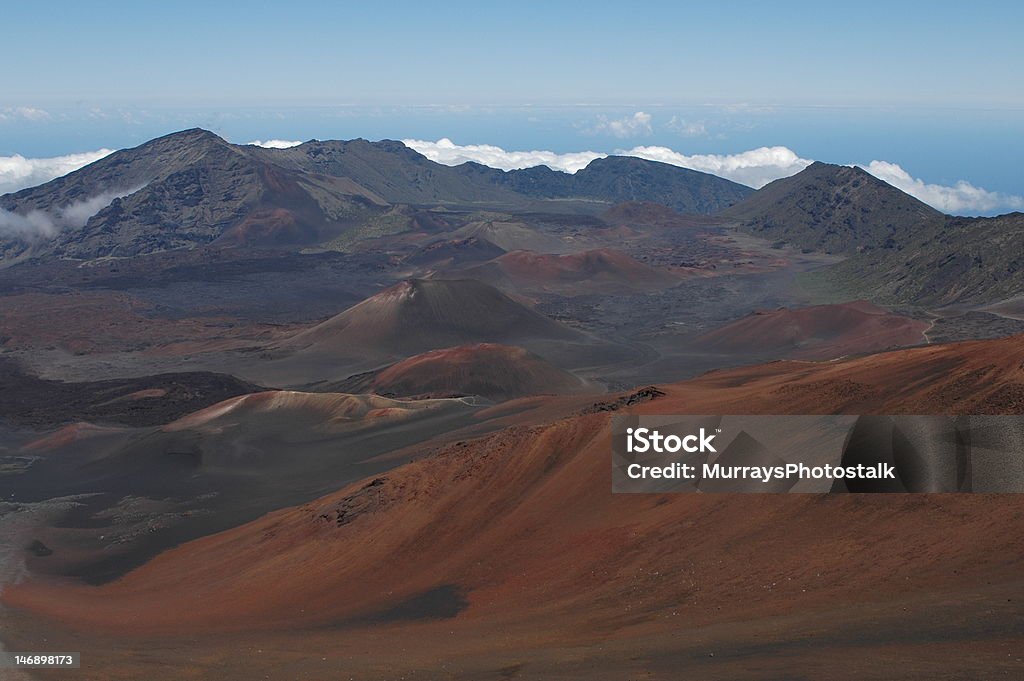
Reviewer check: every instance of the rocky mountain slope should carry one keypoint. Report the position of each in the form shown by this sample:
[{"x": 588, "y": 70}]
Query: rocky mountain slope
[
  {"x": 959, "y": 260},
  {"x": 616, "y": 179},
  {"x": 180, "y": 191},
  {"x": 192, "y": 188},
  {"x": 902, "y": 251},
  {"x": 512, "y": 541},
  {"x": 835, "y": 209}
]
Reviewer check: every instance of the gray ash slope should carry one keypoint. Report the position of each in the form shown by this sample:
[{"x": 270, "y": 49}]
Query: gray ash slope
[{"x": 192, "y": 188}]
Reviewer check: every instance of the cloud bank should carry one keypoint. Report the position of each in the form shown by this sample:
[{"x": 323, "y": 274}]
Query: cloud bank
[
  {"x": 18, "y": 172},
  {"x": 754, "y": 168},
  {"x": 274, "y": 144},
  {"x": 38, "y": 224},
  {"x": 76, "y": 214},
  {"x": 33, "y": 225},
  {"x": 447, "y": 152},
  {"x": 25, "y": 113},
  {"x": 963, "y": 197}
]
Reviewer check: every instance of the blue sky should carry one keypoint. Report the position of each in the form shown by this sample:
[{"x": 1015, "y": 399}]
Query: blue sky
[
  {"x": 308, "y": 53},
  {"x": 934, "y": 87}
]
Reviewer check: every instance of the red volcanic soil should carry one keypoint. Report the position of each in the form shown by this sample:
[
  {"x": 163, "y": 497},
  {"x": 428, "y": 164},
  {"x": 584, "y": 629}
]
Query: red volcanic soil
[
  {"x": 510, "y": 554},
  {"x": 975, "y": 377},
  {"x": 602, "y": 270},
  {"x": 816, "y": 332},
  {"x": 269, "y": 226},
  {"x": 418, "y": 315},
  {"x": 323, "y": 412},
  {"x": 498, "y": 372},
  {"x": 69, "y": 434}
]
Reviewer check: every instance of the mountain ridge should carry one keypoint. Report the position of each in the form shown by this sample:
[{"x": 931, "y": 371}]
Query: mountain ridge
[
  {"x": 961, "y": 260},
  {"x": 183, "y": 190},
  {"x": 193, "y": 188},
  {"x": 834, "y": 209}
]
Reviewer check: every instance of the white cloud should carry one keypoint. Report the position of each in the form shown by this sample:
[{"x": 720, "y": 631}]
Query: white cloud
[
  {"x": 274, "y": 144},
  {"x": 18, "y": 172},
  {"x": 754, "y": 168},
  {"x": 629, "y": 126},
  {"x": 27, "y": 113},
  {"x": 450, "y": 154},
  {"x": 958, "y": 199},
  {"x": 687, "y": 128},
  {"x": 46, "y": 224},
  {"x": 78, "y": 213},
  {"x": 32, "y": 225}
]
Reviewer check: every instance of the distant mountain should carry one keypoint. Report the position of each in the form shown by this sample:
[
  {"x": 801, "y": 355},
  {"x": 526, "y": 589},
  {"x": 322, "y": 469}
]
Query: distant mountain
[
  {"x": 193, "y": 188},
  {"x": 959, "y": 260},
  {"x": 400, "y": 175},
  {"x": 395, "y": 172},
  {"x": 183, "y": 190},
  {"x": 617, "y": 179},
  {"x": 836, "y": 209}
]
